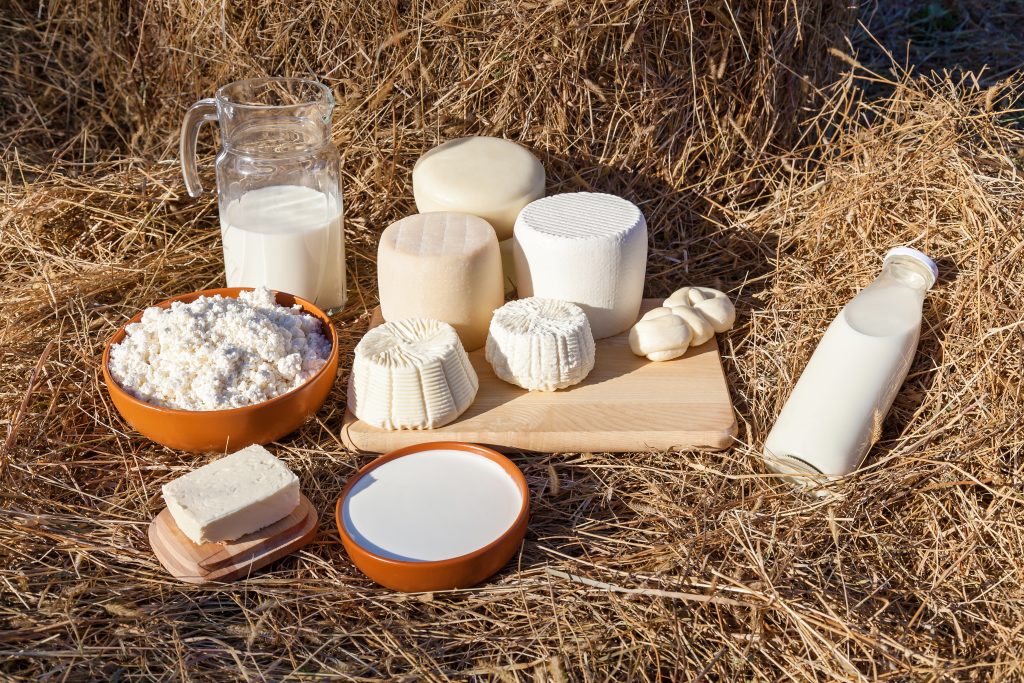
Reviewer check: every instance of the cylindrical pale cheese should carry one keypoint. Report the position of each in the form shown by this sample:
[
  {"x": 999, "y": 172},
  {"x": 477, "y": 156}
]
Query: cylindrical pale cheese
[
  {"x": 488, "y": 177},
  {"x": 587, "y": 248},
  {"x": 443, "y": 266}
]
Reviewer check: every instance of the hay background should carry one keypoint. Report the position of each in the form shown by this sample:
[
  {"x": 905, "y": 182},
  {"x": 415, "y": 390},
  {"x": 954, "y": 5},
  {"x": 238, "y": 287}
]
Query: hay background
[{"x": 680, "y": 565}]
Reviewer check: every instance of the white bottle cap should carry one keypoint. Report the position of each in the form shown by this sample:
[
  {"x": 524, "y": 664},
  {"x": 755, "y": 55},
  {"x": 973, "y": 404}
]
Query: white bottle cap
[{"x": 916, "y": 255}]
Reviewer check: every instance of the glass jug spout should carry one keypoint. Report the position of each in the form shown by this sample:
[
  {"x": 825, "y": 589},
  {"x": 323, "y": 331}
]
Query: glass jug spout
[
  {"x": 274, "y": 116},
  {"x": 259, "y": 117}
]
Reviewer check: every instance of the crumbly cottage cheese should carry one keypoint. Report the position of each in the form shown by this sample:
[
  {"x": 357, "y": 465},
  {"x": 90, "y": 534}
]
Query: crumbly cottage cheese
[{"x": 215, "y": 353}]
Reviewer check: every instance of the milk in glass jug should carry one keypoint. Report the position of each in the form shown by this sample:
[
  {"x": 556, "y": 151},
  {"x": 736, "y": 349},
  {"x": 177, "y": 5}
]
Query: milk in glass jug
[{"x": 278, "y": 185}]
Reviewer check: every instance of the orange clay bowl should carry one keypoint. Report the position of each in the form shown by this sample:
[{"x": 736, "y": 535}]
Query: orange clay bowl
[
  {"x": 464, "y": 571},
  {"x": 235, "y": 428}
]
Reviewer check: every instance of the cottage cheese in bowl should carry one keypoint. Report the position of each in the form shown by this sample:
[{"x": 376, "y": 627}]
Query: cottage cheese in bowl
[{"x": 217, "y": 353}]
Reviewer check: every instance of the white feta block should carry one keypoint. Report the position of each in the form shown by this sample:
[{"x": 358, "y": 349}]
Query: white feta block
[{"x": 231, "y": 497}]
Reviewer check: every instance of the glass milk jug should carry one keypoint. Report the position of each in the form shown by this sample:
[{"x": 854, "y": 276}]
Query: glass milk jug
[
  {"x": 835, "y": 411},
  {"x": 278, "y": 185}
]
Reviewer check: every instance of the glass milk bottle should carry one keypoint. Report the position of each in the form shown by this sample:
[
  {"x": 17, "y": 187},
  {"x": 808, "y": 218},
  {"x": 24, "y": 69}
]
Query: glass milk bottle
[
  {"x": 278, "y": 185},
  {"x": 836, "y": 410}
]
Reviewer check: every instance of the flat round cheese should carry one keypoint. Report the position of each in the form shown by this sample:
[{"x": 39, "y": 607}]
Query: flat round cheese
[
  {"x": 442, "y": 266},
  {"x": 587, "y": 248},
  {"x": 540, "y": 344},
  {"x": 411, "y": 374}
]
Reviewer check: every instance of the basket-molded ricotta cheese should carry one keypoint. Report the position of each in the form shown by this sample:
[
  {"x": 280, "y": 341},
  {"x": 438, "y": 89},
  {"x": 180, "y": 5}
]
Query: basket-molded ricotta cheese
[
  {"x": 411, "y": 374},
  {"x": 540, "y": 344}
]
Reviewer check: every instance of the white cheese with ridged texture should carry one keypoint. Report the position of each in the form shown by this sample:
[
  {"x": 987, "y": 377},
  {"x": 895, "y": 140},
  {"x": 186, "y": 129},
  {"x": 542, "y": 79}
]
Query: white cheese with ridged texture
[
  {"x": 441, "y": 266},
  {"x": 411, "y": 374},
  {"x": 540, "y": 344},
  {"x": 233, "y": 496},
  {"x": 587, "y": 248}
]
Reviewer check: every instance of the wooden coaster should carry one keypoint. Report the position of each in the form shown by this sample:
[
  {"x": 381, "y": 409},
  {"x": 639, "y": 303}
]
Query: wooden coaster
[{"x": 206, "y": 562}]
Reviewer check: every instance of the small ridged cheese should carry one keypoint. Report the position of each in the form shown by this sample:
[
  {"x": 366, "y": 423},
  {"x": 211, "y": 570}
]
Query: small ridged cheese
[
  {"x": 411, "y": 374},
  {"x": 540, "y": 344},
  {"x": 587, "y": 248},
  {"x": 441, "y": 266}
]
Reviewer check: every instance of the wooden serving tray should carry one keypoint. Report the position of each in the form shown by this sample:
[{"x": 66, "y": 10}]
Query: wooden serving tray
[
  {"x": 203, "y": 563},
  {"x": 627, "y": 403}
]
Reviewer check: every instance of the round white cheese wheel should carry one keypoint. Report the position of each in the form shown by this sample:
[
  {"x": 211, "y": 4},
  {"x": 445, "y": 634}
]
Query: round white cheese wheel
[
  {"x": 443, "y": 266},
  {"x": 411, "y": 374},
  {"x": 587, "y": 248},
  {"x": 540, "y": 344},
  {"x": 488, "y": 177}
]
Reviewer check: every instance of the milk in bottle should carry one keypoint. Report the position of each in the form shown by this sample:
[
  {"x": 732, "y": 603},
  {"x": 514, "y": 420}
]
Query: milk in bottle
[{"x": 836, "y": 409}]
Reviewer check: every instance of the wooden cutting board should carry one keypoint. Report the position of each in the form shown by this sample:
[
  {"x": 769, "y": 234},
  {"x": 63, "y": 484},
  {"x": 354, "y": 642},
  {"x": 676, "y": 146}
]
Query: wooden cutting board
[
  {"x": 206, "y": 562},
  {"x": 626, "y": 404}
]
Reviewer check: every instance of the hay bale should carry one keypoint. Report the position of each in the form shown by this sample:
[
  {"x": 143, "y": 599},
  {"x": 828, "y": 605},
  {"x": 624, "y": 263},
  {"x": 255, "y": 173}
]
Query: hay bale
[
  {"x": 653, "y": 566},
  {"x": 668, "y": 93}
]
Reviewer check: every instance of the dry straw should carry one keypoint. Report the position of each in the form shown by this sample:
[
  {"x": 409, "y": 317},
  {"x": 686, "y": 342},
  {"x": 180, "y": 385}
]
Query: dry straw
[{"x": 671, "y": 566}]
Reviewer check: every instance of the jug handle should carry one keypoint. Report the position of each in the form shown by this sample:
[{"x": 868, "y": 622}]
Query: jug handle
[{"x": 199, "y": 113}]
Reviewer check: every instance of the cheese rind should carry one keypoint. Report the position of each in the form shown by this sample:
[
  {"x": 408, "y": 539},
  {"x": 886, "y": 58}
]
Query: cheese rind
[
  {"x": 441, "y": 266},
  {"x": 411, "y": 374},
  {"x": 233, "y": 496},
  {"x": 587, "y": 248},
  {"x": 540, "y": 344},
  {"x": 492, "y": 178}
]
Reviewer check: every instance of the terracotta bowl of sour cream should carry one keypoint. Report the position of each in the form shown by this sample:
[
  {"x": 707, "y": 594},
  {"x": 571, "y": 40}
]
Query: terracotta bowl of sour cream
[
  {"x": 234, "y": 428},
  {"x": 434, "y": 516}
]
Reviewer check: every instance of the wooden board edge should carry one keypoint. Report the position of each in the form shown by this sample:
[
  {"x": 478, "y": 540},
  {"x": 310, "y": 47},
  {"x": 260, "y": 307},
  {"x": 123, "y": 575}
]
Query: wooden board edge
[
  {"x": 248, "y": 568},
  {"x": 710, "y": 440}
]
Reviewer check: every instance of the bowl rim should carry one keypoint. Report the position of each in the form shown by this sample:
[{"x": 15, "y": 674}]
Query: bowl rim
[
  {"x": 410, "y": 565},
  {"x": 227, "y": 293}
]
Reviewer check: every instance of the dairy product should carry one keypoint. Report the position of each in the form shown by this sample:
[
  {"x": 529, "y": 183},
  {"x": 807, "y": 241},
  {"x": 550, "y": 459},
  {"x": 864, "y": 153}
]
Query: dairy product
[
  {"x": 690, "y": 317},
  {"x": 431, "y": 505},
  {"x": 540, "y": 344},
  {"x": 233, "y": 496},
  {"x": 411, "y": 374},
  {"x": 288, "y": 238},
  {"x": 487, "y": 177},
  {"x": 586, "y": 248},
  {"x": 712, "y": 305},
  {"x": 508, "y": 264},
  {"x": 442, "y": 266},
  {"x": 836, "y": 409},
  {"x": 660, "y": 335},
  {"x": 217, "y": 353}
]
